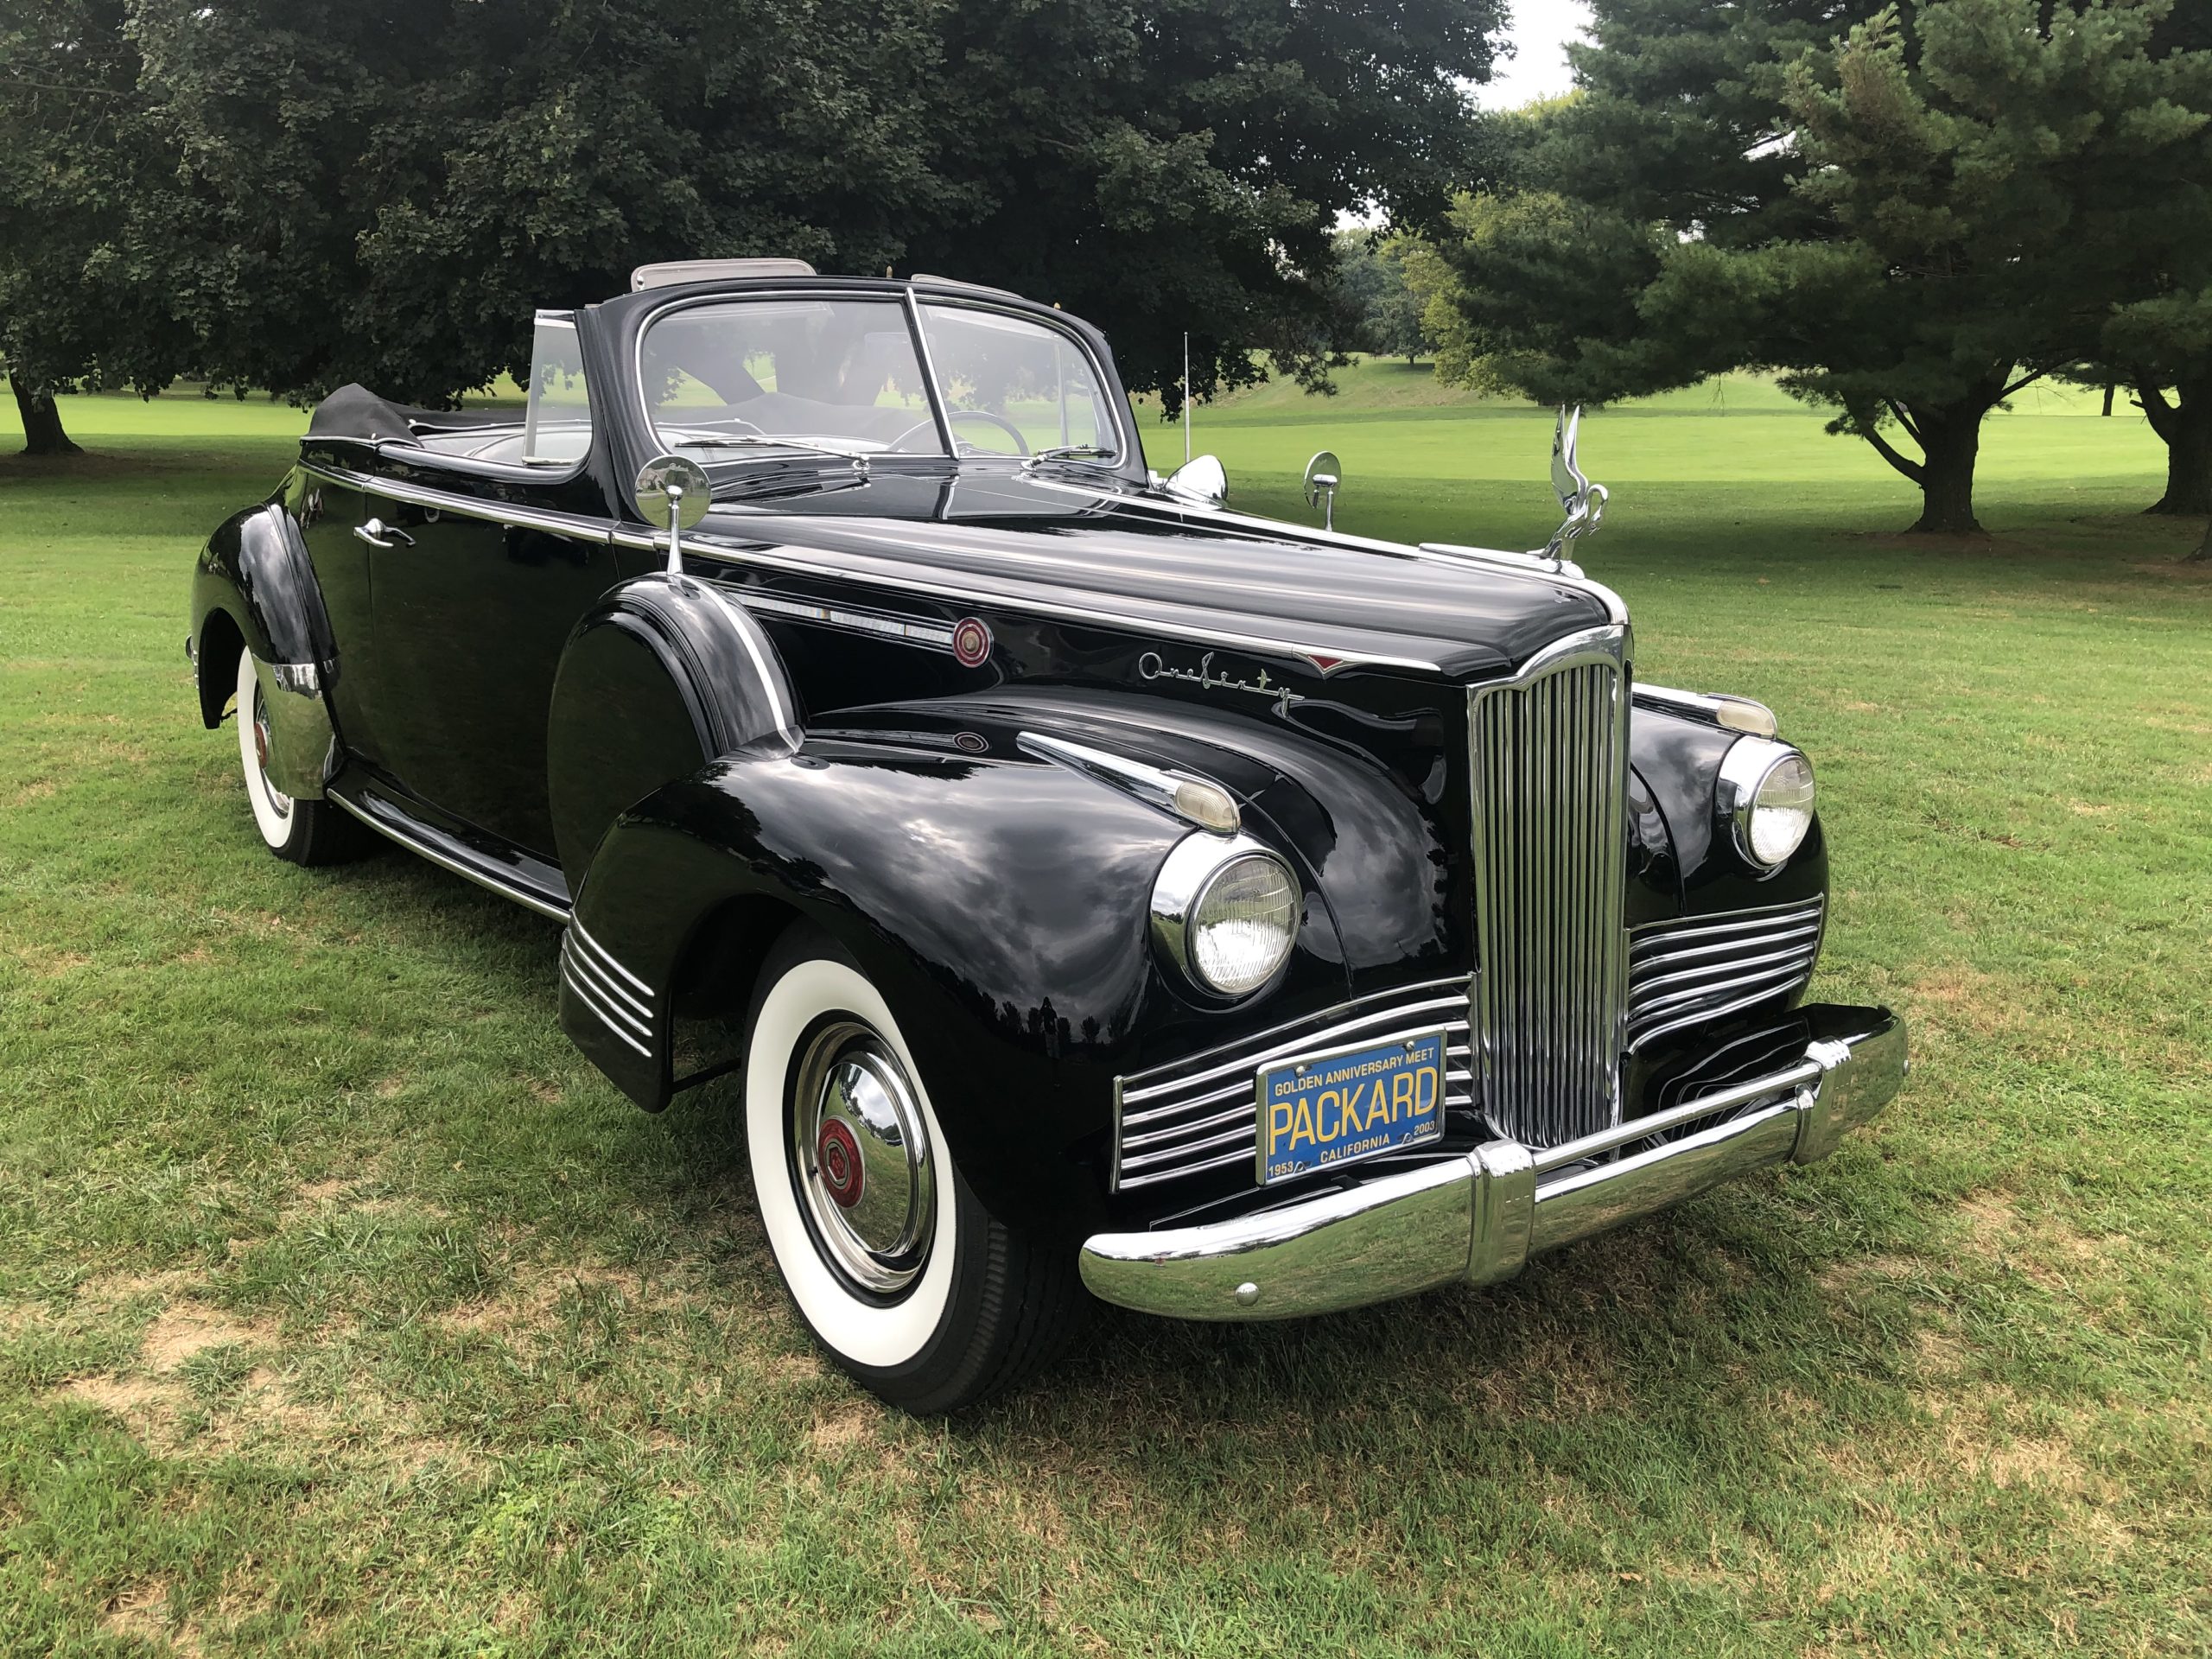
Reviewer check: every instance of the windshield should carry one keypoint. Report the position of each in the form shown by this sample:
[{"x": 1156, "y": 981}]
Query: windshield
[
  {"x": 841, "y": 376},
  {"x": 1014, "y": 387}
]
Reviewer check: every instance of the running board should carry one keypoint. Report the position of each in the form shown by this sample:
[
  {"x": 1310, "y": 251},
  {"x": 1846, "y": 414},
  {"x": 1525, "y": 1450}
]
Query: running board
[{"x": 530, "y": 882}]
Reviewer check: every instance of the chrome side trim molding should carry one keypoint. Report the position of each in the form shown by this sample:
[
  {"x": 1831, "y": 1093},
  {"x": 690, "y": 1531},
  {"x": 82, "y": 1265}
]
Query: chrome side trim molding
[
  {"x": 574, "y": 526},
  {"x": 616, "y": 997},
  {"x": 1729, "y": 713},
  {"x": 793, "y": 561},
  {"x": 608, "y": 997},
  {"x": 1331, "y": 659},
  {"x": 606, "y": 958},
  {"x": 467, "y": 873},
  {"x": 918, "y": 631},
  {"x": 1477, "y": 1216},
  {"x": 1184, "y": 795},
  {"x": 584, "y": 994}
]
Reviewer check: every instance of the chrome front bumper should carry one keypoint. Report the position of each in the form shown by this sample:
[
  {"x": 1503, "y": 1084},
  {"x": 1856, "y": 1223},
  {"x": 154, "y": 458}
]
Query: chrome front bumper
[{"x": 1478, "y": 1217}]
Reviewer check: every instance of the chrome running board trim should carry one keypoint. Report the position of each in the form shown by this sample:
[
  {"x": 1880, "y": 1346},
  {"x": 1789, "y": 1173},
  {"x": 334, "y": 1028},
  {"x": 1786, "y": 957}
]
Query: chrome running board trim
[{"x": 414, "y": 837}]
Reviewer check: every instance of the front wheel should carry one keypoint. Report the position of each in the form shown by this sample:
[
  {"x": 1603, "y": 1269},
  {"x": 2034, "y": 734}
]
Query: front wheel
[
  {"x": 305, "y": 832},
  {"x": 917, "y": 1291}
]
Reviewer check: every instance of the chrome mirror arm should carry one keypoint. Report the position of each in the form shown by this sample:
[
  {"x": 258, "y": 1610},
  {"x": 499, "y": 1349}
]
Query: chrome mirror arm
[{"x": 674, "y": 530}]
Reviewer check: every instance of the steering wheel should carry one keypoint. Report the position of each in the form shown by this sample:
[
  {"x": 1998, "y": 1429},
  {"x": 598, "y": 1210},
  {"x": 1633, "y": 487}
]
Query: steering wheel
[{"x": 1021, "y": 444}]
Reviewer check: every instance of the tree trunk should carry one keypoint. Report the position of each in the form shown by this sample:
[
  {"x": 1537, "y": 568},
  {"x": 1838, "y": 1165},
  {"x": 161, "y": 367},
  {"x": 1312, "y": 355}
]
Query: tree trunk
[
  {"x": 42, "y": 433},
  {"x": 2186, "y": 426},
  {"x": 1950, "y": 441}
]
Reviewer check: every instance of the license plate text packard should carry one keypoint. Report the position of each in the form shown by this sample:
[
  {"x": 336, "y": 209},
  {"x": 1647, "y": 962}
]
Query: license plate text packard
[{"x": 1351, "y": 1104}]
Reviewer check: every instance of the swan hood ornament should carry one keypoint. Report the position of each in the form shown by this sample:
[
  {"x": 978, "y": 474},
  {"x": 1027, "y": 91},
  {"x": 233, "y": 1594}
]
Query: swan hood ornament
[{"x": 1583, "y": 502}]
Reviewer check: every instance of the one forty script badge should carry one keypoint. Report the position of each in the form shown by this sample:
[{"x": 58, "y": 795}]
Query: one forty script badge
[{"x": 1153, "y": 666}]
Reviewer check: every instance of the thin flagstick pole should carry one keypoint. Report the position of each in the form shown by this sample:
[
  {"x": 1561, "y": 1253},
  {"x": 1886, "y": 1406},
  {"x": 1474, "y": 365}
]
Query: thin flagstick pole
[{"x": 1186, "y": 399}]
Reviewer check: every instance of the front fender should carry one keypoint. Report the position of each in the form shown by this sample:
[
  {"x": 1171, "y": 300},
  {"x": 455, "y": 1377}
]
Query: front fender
[
  {"x": 1368, "y": 822},
  {"x": 1000, "y": 903},
  {"x": 1677, "y": 760}
]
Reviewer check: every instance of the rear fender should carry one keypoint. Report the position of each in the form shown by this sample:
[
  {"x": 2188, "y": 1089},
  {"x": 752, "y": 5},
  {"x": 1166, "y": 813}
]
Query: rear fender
[
  {"x": 661, "y": 675},
  {"x": 254, "y": 586}
]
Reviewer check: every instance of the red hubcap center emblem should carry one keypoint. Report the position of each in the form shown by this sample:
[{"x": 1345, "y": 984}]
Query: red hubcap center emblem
[
  {"x": 261, "y": 745},
  {"x": 837, "y": 1156}
]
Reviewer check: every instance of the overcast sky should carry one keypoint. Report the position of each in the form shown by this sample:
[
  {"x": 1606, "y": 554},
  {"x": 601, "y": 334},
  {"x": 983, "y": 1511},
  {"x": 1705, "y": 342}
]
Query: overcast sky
[{"x": 1538, "y": 67}]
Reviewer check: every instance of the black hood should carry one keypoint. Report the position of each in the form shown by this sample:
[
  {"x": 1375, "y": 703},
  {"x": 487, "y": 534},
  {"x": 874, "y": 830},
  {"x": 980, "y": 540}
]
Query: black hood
[{"x": 1057, "y": 544}]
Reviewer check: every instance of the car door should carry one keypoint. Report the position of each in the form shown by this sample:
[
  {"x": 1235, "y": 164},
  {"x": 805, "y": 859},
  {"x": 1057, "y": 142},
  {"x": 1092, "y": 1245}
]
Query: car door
[
  {"x": 327, "y": 514},
  {"x": 470, "y": 618}
]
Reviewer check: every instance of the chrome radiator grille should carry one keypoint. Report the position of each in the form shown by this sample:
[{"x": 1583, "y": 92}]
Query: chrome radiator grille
[
  {"x": 1203, "y": 1113},
  {"x": 1550, "y": 773},
  {"x": 1700, "y": 968}
]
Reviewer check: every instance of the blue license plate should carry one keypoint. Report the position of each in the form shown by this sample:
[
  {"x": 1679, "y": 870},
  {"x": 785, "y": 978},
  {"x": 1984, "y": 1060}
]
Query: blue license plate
[{"x": 1327, "y": 1109}]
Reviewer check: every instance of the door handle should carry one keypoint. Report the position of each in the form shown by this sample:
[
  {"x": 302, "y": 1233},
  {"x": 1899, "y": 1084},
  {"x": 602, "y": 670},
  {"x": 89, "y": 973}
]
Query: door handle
[{"x": 376, "y": 529}]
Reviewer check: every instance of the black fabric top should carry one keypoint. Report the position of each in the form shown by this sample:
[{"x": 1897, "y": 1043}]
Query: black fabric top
[{"x": 356, "y": 412}]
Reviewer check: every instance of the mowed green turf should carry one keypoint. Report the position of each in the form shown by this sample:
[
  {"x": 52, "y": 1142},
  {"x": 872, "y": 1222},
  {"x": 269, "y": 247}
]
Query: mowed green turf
[{"x": 343, "y": 1309}]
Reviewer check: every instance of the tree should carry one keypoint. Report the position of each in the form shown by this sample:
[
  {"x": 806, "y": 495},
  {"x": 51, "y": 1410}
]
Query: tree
[
  {"x": 85, "y": 189},
  {"x": 1909, "y": 224},
  {"x": 1383, "y": 313},
  {"x": 1183, "y": 165},
  {"x": 2160, "y": 341},
  {"x": 384, "y": 191},
  {"x": 395, "y": 188}
]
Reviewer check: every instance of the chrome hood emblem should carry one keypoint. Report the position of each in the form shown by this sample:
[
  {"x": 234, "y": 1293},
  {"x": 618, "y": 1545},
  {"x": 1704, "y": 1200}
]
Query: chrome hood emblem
[{"x": 1583, "y": 502}]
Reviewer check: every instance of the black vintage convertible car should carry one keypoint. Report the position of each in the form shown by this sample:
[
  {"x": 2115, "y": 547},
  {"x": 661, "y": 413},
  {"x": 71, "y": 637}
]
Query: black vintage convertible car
[{"x": 1100, "y": 892}]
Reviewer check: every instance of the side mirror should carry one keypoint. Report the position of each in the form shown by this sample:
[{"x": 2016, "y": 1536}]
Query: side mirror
[
  {"x": 1323, "y": 473},
  {"x": 672, "y": 493},
  {"x": 1202, "y": 479}
]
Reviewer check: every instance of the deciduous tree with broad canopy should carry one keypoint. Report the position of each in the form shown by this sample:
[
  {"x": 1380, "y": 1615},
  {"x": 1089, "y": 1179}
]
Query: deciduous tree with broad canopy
[{"x": 383, "y": 190}]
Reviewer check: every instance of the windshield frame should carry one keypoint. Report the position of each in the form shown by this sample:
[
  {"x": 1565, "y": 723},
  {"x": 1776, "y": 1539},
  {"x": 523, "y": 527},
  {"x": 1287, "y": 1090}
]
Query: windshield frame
[{"x": 1127, "y": 452}]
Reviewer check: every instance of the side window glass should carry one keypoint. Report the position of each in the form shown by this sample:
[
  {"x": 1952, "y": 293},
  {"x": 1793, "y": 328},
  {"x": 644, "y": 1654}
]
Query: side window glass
[{"x": 556, "y": 422}]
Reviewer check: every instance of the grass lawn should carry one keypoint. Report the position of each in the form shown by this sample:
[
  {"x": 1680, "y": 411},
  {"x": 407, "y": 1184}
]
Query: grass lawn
[{"x": 344, "y": 1309}]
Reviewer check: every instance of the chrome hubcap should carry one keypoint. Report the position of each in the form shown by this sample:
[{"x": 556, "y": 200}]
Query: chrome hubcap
[
  {"x": 860, "y": 1157},
  {"x": 278, "y": 798}
]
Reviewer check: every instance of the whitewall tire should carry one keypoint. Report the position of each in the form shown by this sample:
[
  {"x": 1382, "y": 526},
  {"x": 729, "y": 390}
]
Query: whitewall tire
[
  {"x": 304, "y": 832},
  {"x": 893, "y": 1264}
]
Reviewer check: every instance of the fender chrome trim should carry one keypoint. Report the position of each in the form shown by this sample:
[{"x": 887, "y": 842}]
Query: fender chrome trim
[{"x": 1476, "y": 1217}]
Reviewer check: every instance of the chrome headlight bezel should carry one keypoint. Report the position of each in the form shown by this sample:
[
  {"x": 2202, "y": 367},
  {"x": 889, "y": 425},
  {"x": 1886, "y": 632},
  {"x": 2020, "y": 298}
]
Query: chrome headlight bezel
[
  {"x": 1750, "y": 766},
  {"x": 1192, "y": 869}
]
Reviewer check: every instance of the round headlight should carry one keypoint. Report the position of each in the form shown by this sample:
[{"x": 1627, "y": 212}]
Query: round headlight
[
  {"x": 1243, "y": 925},
  {"x": 1224, "y": 911},
  {"x": 1766, "y": 799}
]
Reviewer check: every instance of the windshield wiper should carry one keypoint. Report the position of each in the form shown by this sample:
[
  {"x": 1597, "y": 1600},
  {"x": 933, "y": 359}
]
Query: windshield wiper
[
  {"x": 761, "y": 440},
  {"x": 1068, "y": 452}
]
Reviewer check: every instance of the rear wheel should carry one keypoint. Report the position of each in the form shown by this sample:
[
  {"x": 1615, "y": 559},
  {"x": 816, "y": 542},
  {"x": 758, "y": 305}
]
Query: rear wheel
[
  {"x": 913, "y": 1287},
  {"x": 305, "y": 832}
]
